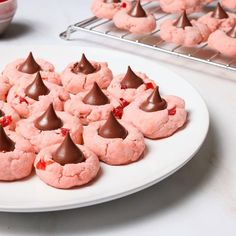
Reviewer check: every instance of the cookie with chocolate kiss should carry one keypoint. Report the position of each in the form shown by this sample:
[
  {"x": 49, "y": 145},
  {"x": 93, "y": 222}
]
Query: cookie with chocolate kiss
[
  {"x": 96, "y": 96},
  {"x": 232, "y": 32},
  {"x": 183, "y": 21},
  {"x": 6, "y": 144},
  {"x": 84, "y": 66},
  {"x": 154, "y": 102},
  {"x": 29, "y": 66},
  {"x": 112, "y": 129},
  {"x": 131, "y": 80},
  {"x": 37, "y": 88},
  {"x": 138, "y": 10},
  {"x": 219, "y": 12},
  {"x": 68, "y": 152},
  {"x": 48, "y": 120}
]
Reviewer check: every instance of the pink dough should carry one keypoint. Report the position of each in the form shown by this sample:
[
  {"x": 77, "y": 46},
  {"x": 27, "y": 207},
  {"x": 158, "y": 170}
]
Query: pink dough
[
  {"x": 4, "y": 88},
  {"x": 89, "y": 113},
  {"x": 75, "y": 83},
  {"x": 18, "y": 163},
  {"x": 69, "y": 175},
  {"x": 41, "y": 139},
  {"x": 15, "y": 76},
  {"x": 136, "y": 25},
  {"x": 115, "y": 151},
  {"x": 101, "y": 9},
  {"x": 214, "y": 24},
  {"x": 230, "y": 4},
  {"x": 223, "y": 43},
  {"x": 189, "y": 36},
  {"x": 159, "y": 124},
  {"x": 29, "y": 106},
  {"x": 8, "y": 121},
  {"x": 178, "y": 6},
  {"x": 130, "y": 94}
]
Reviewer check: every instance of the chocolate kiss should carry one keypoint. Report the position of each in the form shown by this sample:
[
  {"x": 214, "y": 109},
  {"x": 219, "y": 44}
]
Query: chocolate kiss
[
  {"x": 112, "y": 1},
  {"x": 154, "y": 102},
  {"x": 219, "y": 12},
  {"x": 84, "y": 66},
  {"x": 96, "y": 96},
  {"x": 232, "y": 32},
  {"x": 6, "y": 144},
  {"x": 36, "y": 88},
  {"x": 68, "y": 152},
  {"x": 131, "y": 80},
  {"x": 138, "y": 11},
  {"x": 29, "y": 66},
  {"x": 48, "y": 120},
  {"x": 183, "y": 21},
  {"x": 112, "y": 128},
  {"x": 2, "y": 113}
]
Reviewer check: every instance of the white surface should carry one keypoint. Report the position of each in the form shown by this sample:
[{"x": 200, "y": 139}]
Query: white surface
[
  {"x": 200, "y": 199},
  {"x": 162, "y": 157}
]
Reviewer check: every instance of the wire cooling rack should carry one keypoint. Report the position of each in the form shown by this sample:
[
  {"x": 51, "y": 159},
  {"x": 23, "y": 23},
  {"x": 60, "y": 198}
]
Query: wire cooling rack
[{"x": 106, "y": 28}]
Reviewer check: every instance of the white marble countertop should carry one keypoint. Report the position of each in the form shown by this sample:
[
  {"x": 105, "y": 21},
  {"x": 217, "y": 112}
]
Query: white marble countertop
[{"x": 200, "y": 199}]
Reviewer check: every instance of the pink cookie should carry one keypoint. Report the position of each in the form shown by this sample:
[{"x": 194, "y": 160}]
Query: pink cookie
[
  {"x": 77, "y": 82},
  {"x": 69, "y": 175},
  {"x": 26, "y": 106},
  {"x": 220, "y": 41},
  {"x": 114, "y": 151},
  {"x": 136, "y": 25},
  {"x": 178, "y": 6},
  {"x": 44, "y": 138},
  {"x": 4, "y": 88},
  {"x": 157, "y": 124},
  {"x": 8, "y": 116},
  {"x": 230, "y": 4},
  {"x": 222, "y": 20},
  {"x": 187, "y": 36},
  {"x": 11, "y": 71},
  {"x": 129, "y": 94},
  {"x": 18, "y": 163},
  {"x": 102, "y": 9}
]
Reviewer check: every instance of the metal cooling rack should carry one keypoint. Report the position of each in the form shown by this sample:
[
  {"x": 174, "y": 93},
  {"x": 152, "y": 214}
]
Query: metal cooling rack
[{"x": 201, "y": 53}]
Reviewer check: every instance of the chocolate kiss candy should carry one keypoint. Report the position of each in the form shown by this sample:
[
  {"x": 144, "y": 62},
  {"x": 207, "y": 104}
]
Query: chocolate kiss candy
[
  {"x": 96, "y": 96},
  {"x": 219, "y": 12},
  {"x": 84, "y": 66},
  {"x": 131, "y": 80},
  {"x": 154, "y": 102},
  {"x": 2, "y": 113},
  {"x": 232, "y": 32},
  {"x": 68, "y": 152},
  {"x": 112, "y": 129},
  {"x": 183, "y": 21},
  {"x": 48, "y": 120},
  {"x": 6, "y": 144},
  {"x": 36, "y": 88},
  {"x": 138, "y": 11},
  {"x": 29, "y": 66},
  {"x": 112, "y": 1}
]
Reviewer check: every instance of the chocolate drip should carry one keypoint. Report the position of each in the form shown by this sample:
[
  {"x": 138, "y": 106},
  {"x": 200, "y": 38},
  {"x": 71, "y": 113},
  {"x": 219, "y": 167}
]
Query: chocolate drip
[
  {"x": 2, "y": 113},
  {"x": 96, "y": 96},
  {"x": 37, "y": 88},
  {"x": 29, "y": 66},
  {"x": 183, "y": 21},
  {"x": 112, "y": 1},
  {"x": 84, "y": 66},
  {"x": 68, "y": 152},
  {"x": 219, "y": 12},
  {"x": 131, "y": 80},
  {"x": 6, "y": 144},
  {"x": 48, "y": 120},
  {"x": 138, "y": 10},
  {"x": 154, "y": 102},
  {"x": 232, "y": 32},
  {"x": 112, "y": 129}
]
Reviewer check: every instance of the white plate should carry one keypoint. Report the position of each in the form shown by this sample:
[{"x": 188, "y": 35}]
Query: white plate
[{"x": 163, "y": 157}]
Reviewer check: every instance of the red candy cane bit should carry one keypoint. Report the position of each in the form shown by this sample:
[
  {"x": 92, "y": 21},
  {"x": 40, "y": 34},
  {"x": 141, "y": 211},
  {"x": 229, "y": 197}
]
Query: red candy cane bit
[
  {"x": 123, "y": 87},
  {"x": 23, "y": 100},
  {"x": 5, "y": 121},
  {"x": 123, "y": 102},
  {"x": 41, "y": 165},
  {"x": 172, "y": 112},
  {"x": 149, "y": 85},
  {"x": 123, "y": 4},
  {"x": 118, "y": 111},
  {"x": 64, "y": 131}
]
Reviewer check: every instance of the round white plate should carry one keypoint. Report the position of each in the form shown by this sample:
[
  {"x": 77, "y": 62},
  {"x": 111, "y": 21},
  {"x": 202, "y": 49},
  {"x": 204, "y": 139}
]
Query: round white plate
[{"x": 163, "y": 157}]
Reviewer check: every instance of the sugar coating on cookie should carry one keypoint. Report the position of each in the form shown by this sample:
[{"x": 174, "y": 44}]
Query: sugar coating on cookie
[
  {"x": 115, "y": 151},
  {"x": 230, "y": 4},
  {"x": 4, "y": 88},
  {"x": 158, "y": 124},
  {"x": 17, "y": 164},
  {"x": 69, "y": 175},
  {"x": 107, "y": 10}
]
